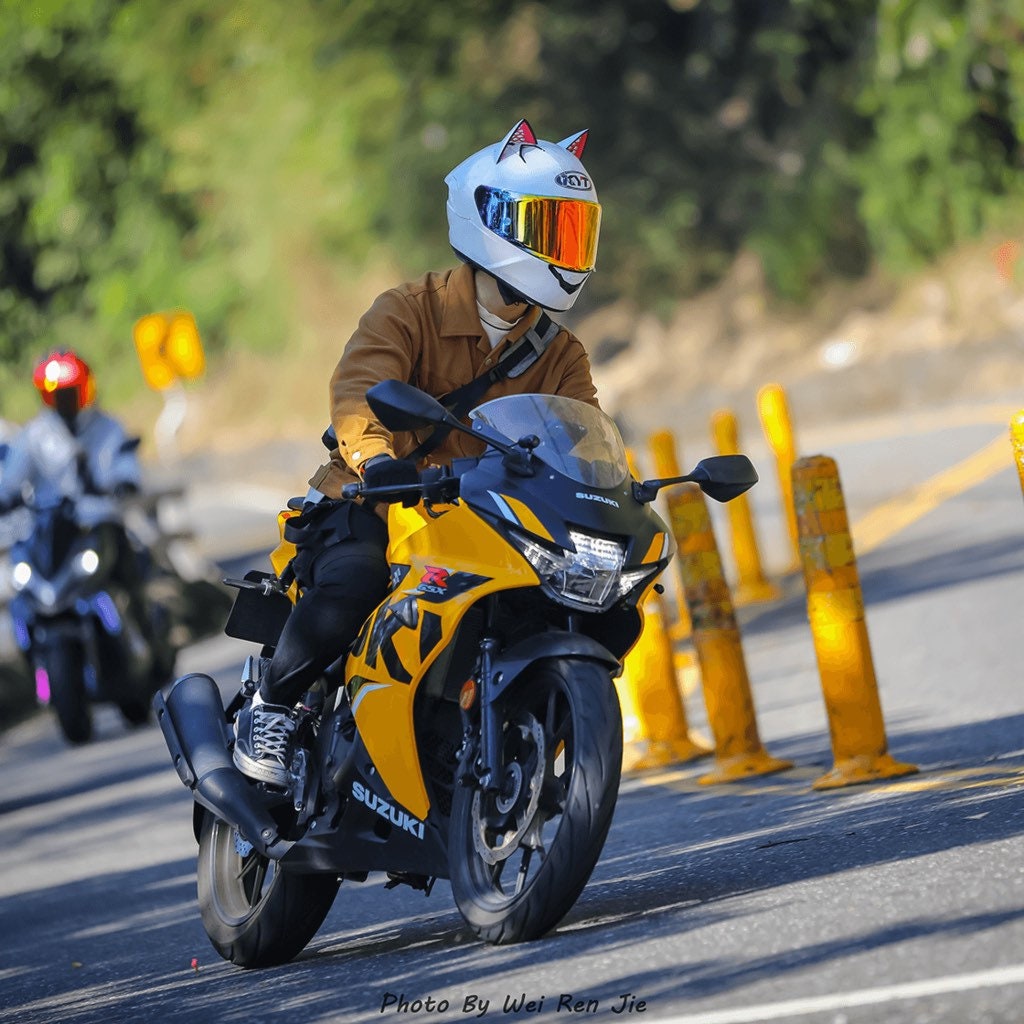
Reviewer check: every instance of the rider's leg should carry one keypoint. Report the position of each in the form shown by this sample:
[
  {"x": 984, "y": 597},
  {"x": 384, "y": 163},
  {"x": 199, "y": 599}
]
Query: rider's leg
[{"x": 341, "y": 585}]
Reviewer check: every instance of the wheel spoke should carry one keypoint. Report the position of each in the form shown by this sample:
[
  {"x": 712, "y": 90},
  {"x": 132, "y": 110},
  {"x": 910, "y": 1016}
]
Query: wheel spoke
[
  {"x": 496, "y": 870},
  {"x": 250, "y": 862},
  {"x": 259, "y": 876},
  {"x": 524, "y": 866}
]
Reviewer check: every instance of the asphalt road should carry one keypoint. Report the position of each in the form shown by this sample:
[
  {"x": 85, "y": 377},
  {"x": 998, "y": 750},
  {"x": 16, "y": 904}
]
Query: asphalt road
[{"x": 763, "y": 900}]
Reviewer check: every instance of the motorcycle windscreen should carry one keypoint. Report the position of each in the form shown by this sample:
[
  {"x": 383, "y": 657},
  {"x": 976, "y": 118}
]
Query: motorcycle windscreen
[{"x": 576, "y": 439}]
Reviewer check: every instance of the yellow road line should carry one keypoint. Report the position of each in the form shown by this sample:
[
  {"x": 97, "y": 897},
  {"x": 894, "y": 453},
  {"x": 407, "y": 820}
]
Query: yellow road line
[{"x": 894, "y": 515}]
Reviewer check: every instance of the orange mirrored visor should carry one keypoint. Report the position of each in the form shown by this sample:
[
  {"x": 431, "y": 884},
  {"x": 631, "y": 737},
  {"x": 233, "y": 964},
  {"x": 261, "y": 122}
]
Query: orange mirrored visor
[{"x": 562, "y": 232}]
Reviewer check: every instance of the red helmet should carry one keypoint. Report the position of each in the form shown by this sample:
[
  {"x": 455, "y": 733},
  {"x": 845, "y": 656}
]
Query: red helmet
[{"x": 65, "y": 372}]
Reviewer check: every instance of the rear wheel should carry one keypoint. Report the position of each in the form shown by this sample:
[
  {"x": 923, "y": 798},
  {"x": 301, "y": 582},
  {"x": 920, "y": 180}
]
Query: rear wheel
[
  {"x": 520, "y": 857},
  {"x": 255, "y": 914},
  {"x": 65, "y": 670}
]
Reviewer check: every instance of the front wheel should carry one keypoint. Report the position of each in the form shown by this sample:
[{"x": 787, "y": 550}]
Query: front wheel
[
  {"x": 255, "y": 914},
  {"x": 63, "y": 664},
  {"x": 521, "y": 856}
]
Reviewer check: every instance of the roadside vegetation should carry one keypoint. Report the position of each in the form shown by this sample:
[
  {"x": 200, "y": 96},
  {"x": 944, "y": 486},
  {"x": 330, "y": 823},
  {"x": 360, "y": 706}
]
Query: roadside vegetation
[{"x": 266, "y": 165}]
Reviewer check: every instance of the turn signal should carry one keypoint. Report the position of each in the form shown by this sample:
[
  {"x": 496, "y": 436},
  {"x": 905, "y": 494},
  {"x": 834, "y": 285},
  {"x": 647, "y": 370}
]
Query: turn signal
[{"x": 467, "y": 695}]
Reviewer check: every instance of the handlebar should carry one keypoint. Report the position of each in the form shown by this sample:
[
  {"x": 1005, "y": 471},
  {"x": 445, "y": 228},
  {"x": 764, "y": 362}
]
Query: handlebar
[{"x": 435, "y": 484}]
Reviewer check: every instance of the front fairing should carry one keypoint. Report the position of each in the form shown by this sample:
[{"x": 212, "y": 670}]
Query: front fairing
[
  {"x": 59, "y": 555},
  {"x": 442, "y": 563},
  {"x": 548, "y": 504},
  {"x": 578, "y": 476},
  {"x": 447, "y": 558}
]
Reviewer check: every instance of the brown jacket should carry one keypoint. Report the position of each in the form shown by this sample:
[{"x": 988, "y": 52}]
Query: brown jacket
[{"x": 429, "y": 334}]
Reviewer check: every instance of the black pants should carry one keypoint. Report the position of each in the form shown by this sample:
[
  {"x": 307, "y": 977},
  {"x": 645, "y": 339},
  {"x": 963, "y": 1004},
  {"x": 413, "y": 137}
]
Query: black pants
[{"x": 343, "y": 574}]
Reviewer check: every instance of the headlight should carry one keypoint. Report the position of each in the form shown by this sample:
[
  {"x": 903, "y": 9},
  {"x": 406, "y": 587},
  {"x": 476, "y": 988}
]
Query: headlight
[
  {"x": 87, "y": 562},
  {"x": 586, "y": 576},
  {"x": 631, "y": 577},
  {"x": 21, "y": 573}
]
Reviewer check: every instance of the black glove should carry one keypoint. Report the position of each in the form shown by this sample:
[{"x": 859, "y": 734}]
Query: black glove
[{"x": 384, "y": 471}]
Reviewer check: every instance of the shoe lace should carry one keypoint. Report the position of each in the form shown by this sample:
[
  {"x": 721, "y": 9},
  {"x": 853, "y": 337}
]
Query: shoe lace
[{"x": 271, "y": 732}]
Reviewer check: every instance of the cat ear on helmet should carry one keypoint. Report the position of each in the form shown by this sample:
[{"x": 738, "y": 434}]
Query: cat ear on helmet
[
  {"x": 521, "y": 135},
  {"x": 576, "y": 143}
]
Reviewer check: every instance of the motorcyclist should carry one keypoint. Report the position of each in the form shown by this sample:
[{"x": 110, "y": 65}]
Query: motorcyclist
[
  {"x": 74, "y": 451},
  {"x": 524, "y": 220}
]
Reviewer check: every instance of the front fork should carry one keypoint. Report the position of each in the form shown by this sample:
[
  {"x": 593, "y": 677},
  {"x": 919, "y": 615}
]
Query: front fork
[{"x": 487, "y": 768}]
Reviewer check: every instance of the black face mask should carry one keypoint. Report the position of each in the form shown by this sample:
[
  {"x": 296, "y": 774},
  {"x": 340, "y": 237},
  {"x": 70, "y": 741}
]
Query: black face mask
[
  {"x": 65, "y": 401},
  {"x": 509, "y": 295}
]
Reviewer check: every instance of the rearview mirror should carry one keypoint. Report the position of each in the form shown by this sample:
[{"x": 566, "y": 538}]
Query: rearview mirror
[
  {"x": 722, "y": 477},
  {"x": 400, "y": 406}
]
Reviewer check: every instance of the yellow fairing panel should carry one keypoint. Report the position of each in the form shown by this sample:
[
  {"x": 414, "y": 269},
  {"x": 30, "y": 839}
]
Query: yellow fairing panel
[
  {"x": 656, "y": 550},
  {"x": 453, "y": 561},
  {"x": 285, "y": 551},
  {"x": 525, "y": 515}
]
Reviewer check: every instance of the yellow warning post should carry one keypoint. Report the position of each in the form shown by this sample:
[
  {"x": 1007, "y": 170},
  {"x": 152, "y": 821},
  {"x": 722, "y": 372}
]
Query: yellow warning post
[
  {"x": 716, "y": 640},
  {"x": 773, "y": 409},
  {"x": 751, "y": 584},
  {"x": 649, "y": 690},
  {"x": 662, "y": 445},
  {"x": 1017, "y": 440},
  {"x": 835, "y": 608}
]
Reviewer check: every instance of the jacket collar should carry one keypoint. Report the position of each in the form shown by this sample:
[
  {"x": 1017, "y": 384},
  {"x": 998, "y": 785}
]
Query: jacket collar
[{"x": 461, "y": 317}]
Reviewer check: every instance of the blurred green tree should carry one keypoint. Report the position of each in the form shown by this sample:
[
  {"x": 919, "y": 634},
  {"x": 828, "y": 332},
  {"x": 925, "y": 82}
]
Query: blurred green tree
[
  {"x": 221, "y": 154},
  {"x": 89, "y": 237},
  {"x": 946, "y": 103}
]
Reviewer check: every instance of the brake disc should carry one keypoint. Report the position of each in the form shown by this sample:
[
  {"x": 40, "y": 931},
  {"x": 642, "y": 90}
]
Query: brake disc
[{"x": 521, "y": 792}]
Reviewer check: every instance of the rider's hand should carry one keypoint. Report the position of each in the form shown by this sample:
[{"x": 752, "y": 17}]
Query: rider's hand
[{"x": 385, "y": 471}]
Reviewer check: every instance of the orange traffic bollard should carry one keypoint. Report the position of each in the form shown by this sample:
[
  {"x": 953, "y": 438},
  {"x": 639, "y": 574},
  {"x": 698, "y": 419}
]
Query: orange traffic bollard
[
  {"x": 662, "y": 444},
  {"x": 648, "y": 685},
  {"x": 716, "y": 639},
  {"x": 835, "y": 608},
  {"x": 1017, "y": 440},
  {"x": 649, "y": 689},
  {"x": 751, "y": 585},
  {"x": 773, "y": 409}
]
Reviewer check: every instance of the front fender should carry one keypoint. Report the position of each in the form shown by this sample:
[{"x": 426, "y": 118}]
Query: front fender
[{"x": 512, "y": 662}]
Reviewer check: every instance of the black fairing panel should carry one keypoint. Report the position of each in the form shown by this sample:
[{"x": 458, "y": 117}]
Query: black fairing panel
[
  {"x": 369, "y": 833},
  {"x": 556, "y": 501}
]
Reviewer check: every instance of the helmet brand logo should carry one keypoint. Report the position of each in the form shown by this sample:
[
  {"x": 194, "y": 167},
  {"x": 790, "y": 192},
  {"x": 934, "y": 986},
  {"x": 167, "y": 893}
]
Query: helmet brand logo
[{"x": 573, "y": 179}]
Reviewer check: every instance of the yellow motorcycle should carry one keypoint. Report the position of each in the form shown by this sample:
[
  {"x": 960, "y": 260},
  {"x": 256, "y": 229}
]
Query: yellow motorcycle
[{"x": 473, "y": 732}]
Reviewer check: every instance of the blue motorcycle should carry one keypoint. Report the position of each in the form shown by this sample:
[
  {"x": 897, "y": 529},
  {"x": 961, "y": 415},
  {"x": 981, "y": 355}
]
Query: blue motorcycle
[{"x": 77, "y": 614}]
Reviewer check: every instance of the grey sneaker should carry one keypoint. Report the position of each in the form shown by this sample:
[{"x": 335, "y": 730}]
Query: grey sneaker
[{"x": 263, "y": 747}]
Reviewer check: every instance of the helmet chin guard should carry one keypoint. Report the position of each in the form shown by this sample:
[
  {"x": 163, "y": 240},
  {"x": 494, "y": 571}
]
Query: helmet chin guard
[{"x": 525, "y": 211}]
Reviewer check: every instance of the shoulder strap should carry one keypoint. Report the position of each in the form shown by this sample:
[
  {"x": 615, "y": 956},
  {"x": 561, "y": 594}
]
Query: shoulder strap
[{"x": 516, "y": 361}]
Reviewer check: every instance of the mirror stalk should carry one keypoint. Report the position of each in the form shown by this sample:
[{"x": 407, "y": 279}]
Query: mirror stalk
[{"x": 647, "y": 491}]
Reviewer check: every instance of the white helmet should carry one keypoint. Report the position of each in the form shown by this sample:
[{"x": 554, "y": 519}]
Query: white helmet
[{"x": 525, "y": 211}]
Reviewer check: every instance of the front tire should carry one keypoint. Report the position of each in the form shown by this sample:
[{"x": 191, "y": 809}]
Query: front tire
[
  {"x": 520, "y": 857},
  {"x": 255, "y": 914},
  {"x": 64, "y": 667}
]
